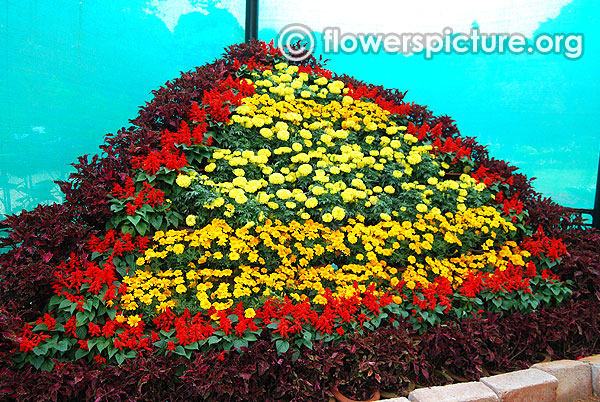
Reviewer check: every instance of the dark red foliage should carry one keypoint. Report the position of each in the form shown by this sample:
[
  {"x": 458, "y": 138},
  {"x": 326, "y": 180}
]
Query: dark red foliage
[
  {"x": 472, "y": 348},
  {"x": 37, "y": 242},
  {"x": 553, "y": 218},
  {"x": 582, "y": 265},
  {"x": 143, "y": 378},
  {"x": 170, "y": 104},
  {"x": 258, "y": 52},
  {"x": 86, "y": 191}
]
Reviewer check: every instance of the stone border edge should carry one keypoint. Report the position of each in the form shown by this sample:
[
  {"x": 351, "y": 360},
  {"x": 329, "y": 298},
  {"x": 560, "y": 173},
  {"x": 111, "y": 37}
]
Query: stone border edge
[{"x": 554, "y": 381}]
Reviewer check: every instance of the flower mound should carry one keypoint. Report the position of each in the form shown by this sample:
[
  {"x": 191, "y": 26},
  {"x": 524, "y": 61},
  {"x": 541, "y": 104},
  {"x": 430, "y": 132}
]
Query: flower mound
[{"x": 288, "y": 205}]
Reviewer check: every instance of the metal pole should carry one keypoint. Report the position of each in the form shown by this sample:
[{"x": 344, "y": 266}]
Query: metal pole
[
  {"x": 596, "y": 213},
  {"x": 251, "y": 20}
]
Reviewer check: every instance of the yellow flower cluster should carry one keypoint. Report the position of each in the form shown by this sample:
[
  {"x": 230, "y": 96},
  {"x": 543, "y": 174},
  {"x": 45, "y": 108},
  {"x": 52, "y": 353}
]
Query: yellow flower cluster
[
  {"x": 225, "y": 265},
  {"x": 184, "y": 180},
  {"x": 319, "y": 154}
]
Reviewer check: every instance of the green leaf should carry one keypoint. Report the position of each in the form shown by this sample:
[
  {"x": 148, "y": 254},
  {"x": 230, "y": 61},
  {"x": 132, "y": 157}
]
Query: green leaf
[
  {"x": 103, "y": 344},
  {"x": 171, "y": 220},
  {"x": 64, "y": 304},
  {"x": 120, "y": 358},
  {"x": 141, "y": 177},
  {"x": 192, "y": 346},
  {"x": 54, "y": 300},
  {"x": 48, "y": 365},
  {"x": 142, "y": 228},
  {"x": 145, "y": 209},
  {"x": 156, "y": 221},
  {"x": 162, "y": 344},
  {"x": 240, "y": 343},
  {"x": 81, "y": 332},
  {"x": 40, "y": 327},
  {"x": 80, "y": 353},
  {"x": 213, "y": 339},
  {"x": 101, "y": 310},
  {"x": 179, "y": 350},
  {"x": 131, "y": 354},
  {"x": 130, "y": 260},
  {"x": 116, "y": 207},
  {"x": 41, "y": 349},
  {"x": 82, "y": 318},
  {"x": 72, "y": 308},
  {"x": 432, "y": 319},
  {"x": 122, "y": 269},
  {"x": 169, "y": 178},
  {"x": 135, "y": 219},
  {"x": 87, "y": 306},
  {"x": 93, "y": 342},
  {"x": 62, "y": 346},
  {"x": 282, "y": 346},
  {"x": 127, "y": 229},
  {"x": 112, "y": 313},
  {"x": 37, "y": 362}
]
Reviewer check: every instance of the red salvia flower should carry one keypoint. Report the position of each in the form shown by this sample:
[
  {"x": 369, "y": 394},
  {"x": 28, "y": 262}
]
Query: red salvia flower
[
  {"x": 70, "y": 326},
  {"x": 94, "y": 329}
]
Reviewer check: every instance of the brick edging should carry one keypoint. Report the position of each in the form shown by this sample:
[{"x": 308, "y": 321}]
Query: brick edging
[{"x": 555, "y": 381}]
